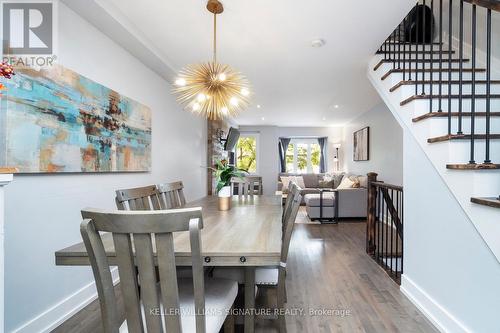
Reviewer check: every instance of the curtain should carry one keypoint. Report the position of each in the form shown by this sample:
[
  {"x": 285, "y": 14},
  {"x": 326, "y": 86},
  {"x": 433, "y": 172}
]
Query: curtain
[
  {"x": 282, "y": 148},
  {"x": 322, "y": 159}
]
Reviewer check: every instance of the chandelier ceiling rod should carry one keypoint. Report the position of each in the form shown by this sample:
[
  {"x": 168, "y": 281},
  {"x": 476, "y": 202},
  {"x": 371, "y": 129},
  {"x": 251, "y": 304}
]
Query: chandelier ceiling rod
[
  {"x": 215, "y": 38},
  {"x": 215, "y": 7}
]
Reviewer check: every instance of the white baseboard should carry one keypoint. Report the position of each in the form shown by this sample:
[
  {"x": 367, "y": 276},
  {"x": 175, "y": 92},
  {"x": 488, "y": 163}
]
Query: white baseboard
[
  {"x": 54, "y": 316},
  {"x": 438, "y": 315}
]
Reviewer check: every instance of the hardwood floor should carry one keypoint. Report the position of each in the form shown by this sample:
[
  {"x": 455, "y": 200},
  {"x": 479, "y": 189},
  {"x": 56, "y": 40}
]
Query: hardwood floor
[{"x": 329, "y": 273}]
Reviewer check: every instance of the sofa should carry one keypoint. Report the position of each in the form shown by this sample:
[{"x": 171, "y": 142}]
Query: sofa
[{"x": 352, "y": 201}]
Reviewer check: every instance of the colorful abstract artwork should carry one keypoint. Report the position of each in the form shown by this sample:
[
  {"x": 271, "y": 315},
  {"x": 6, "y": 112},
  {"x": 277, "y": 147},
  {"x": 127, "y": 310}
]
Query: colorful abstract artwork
[{"x": 55, "y": 120}]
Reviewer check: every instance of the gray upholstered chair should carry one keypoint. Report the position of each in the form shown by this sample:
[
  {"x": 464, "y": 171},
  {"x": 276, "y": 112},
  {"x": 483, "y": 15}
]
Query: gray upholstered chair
[{"x": 168, "y": 305}]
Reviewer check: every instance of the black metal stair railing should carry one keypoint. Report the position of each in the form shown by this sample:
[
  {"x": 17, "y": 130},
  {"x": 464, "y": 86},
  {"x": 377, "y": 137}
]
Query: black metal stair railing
[
  {"x": 385, "y": 226},
  {"x": 416, "y": 49}
]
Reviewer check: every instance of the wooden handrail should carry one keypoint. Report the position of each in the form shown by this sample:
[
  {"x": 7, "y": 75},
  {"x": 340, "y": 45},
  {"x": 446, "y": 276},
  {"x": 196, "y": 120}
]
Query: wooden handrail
[
  {"x": 491, "y": 4},
  {"x": 388, "y": 186}
]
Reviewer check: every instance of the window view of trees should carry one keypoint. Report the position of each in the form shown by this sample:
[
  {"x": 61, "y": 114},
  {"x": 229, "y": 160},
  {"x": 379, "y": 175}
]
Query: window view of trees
[
  {"x": 289, "y": 158},
  {"x": 303, "y": 157},
  {"x": 315, "y": 156},
  {"x": 246, "y": 154}
]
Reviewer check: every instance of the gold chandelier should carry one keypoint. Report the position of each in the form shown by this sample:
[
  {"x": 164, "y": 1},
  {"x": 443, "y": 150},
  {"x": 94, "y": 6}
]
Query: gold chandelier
[{"x": 212, "y": 89}]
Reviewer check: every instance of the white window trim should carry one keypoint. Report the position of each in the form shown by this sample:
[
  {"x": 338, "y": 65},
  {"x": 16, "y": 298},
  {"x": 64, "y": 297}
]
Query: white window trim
[
  {"x": 295, "y": 142},
  {"x": 255, "y": 135}
]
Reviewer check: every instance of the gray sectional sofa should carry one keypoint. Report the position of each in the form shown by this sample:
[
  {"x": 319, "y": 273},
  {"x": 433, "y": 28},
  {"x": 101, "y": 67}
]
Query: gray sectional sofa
[{"x": 352, "y": 201}]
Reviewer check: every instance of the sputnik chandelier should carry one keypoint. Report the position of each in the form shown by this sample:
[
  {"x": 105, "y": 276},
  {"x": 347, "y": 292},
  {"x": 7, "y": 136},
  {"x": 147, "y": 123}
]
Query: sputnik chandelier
[{"x": 212, "y": 89}]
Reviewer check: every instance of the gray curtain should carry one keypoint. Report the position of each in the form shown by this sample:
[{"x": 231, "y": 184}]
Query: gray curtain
[
  {"x": 282, "y": 148},
  {"x": 322, "y": 159}
]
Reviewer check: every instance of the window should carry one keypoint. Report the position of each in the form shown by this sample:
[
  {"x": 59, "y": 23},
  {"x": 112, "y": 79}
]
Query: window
[
  {"x": 246, "y": 152},
  {"x": 302, "y": 156}
]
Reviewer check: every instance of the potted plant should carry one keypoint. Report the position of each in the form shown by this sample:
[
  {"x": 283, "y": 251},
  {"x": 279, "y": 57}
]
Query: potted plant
[{"x": 223, "y": 174}]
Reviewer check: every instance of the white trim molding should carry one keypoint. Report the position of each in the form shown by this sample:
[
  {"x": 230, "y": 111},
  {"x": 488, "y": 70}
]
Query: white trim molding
[
  {"x": 5, "y": 179},
  {"x": 62, "y": 311},
  {"x": 442, "y": 319}
]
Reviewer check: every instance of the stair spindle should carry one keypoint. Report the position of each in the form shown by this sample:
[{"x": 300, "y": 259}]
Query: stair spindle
[
  {"x": 432, "y": 57},
  {"x": 461, "y": 67},
  {"x": 423, "y": 47},
  {"x": 417, "y": 32},
  {"x": 404, "y": 47},
  {"x": 488, "y": 86},
  {"x": 398, "y": 36},
  {"x": 440, "y": 88},
  {"x": 473, "y": 89},
  {"x": 450, "y": 34}
]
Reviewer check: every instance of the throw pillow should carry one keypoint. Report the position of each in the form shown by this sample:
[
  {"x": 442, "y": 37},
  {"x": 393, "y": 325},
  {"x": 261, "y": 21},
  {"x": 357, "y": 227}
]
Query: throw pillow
[
  {"x": 326, "y": 183},
  {"x": 337, "y": 179},
  {"x": 299, "y": 180},
  {"x": 355, "y": 181},
  {"x": 345, "y": 183},
  {"x": 287, "y": 179},
  {"x": 328, "y": 177}
]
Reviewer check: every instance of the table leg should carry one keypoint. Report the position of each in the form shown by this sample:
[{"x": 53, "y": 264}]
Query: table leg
[{"x": 250, "y": 299}]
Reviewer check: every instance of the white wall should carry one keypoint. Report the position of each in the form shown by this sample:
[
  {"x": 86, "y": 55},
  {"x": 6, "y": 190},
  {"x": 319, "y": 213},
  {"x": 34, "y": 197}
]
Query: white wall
[
  {"x": 268, "y": 156},
  {"x": 43, "y": 211},
  {"x": 386, "y": 145},
  {"x": 448, "y": 269}
]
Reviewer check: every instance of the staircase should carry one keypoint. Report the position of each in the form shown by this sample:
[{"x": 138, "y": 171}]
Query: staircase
[{"x": 445, "y": 92}]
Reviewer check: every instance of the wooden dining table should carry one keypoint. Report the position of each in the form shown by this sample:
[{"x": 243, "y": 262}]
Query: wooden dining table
[{"x": 247, "y": 236}]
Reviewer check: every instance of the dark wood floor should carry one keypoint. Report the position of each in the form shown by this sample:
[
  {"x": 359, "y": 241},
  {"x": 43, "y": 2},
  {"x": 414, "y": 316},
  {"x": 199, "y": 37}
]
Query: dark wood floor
[{"x": 328, "y": 271}]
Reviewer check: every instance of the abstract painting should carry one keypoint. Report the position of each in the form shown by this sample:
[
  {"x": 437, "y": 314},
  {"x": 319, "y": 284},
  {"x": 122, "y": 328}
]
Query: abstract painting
[
  {"x": 361, "y": 144},
  {"x": 55, "y": 120}
]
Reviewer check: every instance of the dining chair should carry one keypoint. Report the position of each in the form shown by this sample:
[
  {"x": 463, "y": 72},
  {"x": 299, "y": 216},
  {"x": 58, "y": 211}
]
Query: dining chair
[
  {"x": 138, "y": 198},
  {"x": 273, "y": 277},
  {"x": 154, "y": 197},
  {"x": 172, "y": 304},
  {"x": 243, "y": 187},
  {"x": 255, "y": 184},
  {"x": 172, "y": 195}
]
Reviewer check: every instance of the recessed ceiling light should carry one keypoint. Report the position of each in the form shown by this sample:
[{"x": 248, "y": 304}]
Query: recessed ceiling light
[
  {"x": 263, "y": 118},
  {"x": 336, "y": 106},
  {"x": 318, "y": 42},
  {"x": 258, "y": 106},
  {"x": 324, "y": 118}
]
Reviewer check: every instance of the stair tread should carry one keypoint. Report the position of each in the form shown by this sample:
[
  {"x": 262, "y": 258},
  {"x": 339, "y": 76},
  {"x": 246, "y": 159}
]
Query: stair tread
[
  {"x": 417, "y": 44},
  {"x": 434, "y": 70},
  {"x": 453, "y": 114},
  {"x": 444, "y": 82},
  {"x": 385, "y": 61},
  {"x": 428, "y": 96},
  {"x": 468, "y": 166},
  {"x": 419, "y": 52},
  {"x": 491, "y": 202},
  {"x": 450, "y": 137}
]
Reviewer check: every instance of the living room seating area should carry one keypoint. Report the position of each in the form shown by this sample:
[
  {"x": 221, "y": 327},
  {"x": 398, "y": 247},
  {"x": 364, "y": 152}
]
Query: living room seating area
[{"x": 329, "y": 196}]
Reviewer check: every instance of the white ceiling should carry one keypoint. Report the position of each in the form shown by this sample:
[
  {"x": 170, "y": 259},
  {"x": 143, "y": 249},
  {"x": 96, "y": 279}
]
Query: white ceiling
[{"x": 270, "y": 42}]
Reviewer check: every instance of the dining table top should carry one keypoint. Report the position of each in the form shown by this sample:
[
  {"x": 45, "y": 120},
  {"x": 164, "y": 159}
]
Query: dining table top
[{"x": 249, "y": 234}]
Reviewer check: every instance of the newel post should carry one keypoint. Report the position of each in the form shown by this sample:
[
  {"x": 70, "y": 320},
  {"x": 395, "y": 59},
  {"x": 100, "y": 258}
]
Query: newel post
[{"x": 370, "y": 220}]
